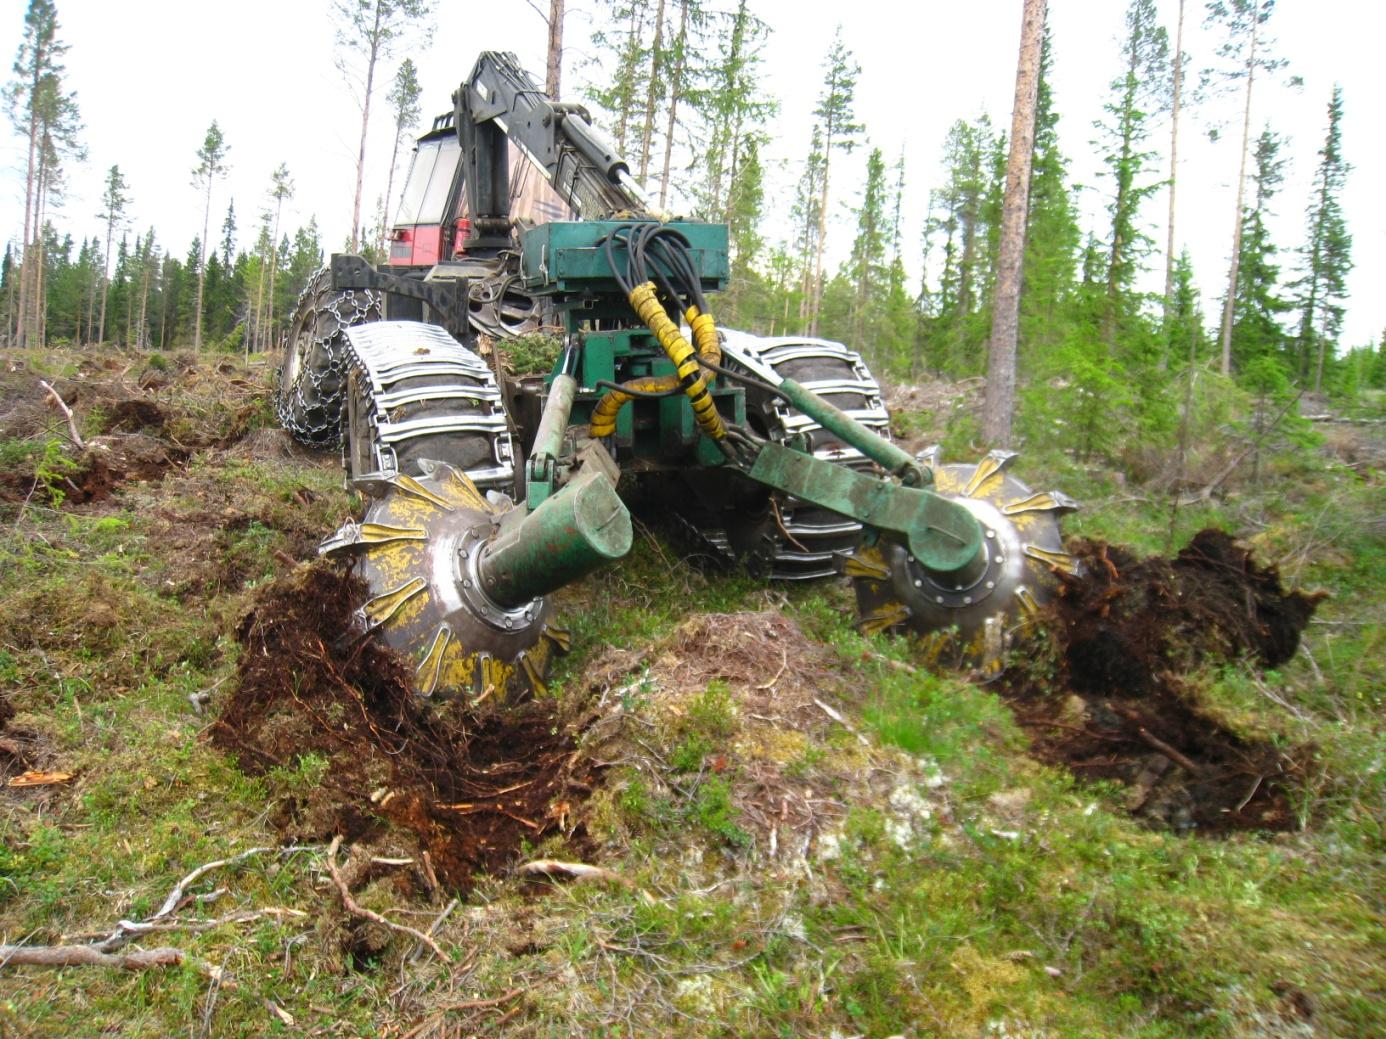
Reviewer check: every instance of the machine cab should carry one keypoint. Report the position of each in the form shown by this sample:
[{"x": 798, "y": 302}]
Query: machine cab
[{"x": 431, "y": 222}]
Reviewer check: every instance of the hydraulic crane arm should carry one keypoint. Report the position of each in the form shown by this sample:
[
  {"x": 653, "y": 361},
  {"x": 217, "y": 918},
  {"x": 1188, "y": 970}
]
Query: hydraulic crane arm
[{"x": 499, "y": 102}]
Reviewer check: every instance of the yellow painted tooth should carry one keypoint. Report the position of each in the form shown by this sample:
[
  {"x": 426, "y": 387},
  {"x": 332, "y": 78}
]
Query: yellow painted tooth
[
  {"x": 860, "y": 566},
  {"x": 562, "y": 638},
  {"x": 379, "y": 533},
  {"x": 386, "y": 605},
  {"x": 1058, "y": 560},
  {"x": 888, "y": 616},
  {"x": 988, "y": 467},
  {"x": 535, "y": 675},
  {"x": 431, "y": 666},
  {"x": 409, "y": 485},
  {"x": 1028, "y": 604},
  {"x": 1039, "y": 501},
  {"x": 461, "y": 491}
]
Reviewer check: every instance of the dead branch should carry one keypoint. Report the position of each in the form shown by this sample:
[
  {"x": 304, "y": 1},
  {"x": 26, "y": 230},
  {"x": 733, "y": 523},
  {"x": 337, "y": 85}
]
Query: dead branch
[
  {"x": 75, "y": 436},
  {"x": 88, "y": 956},
  {"x": 576, "y": 870},
  {"x": 1182, "y": 760},
  {"x": 350, "y": 905},
  {"x": 437, "y": 923}
]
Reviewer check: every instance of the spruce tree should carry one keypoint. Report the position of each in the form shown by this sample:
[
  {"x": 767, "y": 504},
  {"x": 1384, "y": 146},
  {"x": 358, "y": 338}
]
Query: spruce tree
[
  {"x": 836, "y": 130},
  {"x": 1145, "y": 60},
  {"x": 1326, "y": 258},
  {"x": 1256, "y": 331}
]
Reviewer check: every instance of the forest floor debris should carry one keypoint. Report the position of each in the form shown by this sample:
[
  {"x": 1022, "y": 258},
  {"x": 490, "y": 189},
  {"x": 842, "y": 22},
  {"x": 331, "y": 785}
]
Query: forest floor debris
[
  {"x": 470, "y": 788},
  {"x": 1113, "y": 698}
]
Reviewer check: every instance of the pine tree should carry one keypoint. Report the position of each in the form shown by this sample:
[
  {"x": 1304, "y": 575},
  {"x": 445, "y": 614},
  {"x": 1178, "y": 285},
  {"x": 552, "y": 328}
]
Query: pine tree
[
  {"x": 1001, "y": 355},
  {"x": 211, "y": 163},
  {"x": 114, "y": 202},
  {"x": 1177, "y": 63},
  {"x": 37, "y": 65},
  {"x": 1326, "y": 257},
  {"x": 281, "y": 190},
  {"x": 367, "y": 32},
  {"x": 623, "y": 39}
]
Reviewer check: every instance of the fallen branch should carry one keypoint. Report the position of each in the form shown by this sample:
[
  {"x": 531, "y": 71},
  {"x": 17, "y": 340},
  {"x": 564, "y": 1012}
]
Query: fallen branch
[
  {"x": 67, "y": 413},
  {"x": 1180, "y": 759},
  {"x": 350, "y": 905},
  {"x": 575, "y": 870},
  {"x": 88, "y": 956}
]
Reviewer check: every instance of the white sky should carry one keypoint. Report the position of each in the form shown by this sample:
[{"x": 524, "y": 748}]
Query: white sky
[{"x": 151, "y": 75}]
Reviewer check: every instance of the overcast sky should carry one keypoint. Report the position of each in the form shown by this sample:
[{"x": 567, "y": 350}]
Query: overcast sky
[{"x": 152, "y": 74}]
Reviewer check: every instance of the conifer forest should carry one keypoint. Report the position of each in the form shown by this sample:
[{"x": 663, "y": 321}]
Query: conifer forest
[{"x": 748, "y": 776}]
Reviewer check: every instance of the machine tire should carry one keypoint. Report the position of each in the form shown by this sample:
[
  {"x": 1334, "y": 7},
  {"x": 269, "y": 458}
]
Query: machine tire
[
  {"x": 311, "y": 388},
  {"x": 777, "y": 535}
]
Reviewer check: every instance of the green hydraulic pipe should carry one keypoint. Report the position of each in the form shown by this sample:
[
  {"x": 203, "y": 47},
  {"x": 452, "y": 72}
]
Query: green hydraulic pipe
[
  {"x": 575, "y": 531},
  {"x": 942, "y": 535},
  {"x": 880, "y": 450}
]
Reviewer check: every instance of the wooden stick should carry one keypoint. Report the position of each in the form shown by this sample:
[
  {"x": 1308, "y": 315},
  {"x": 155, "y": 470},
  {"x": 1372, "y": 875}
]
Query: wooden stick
[
  {"x": 351, "y": 907},
  {"x": 576, "y": 870},
  {"x": 1182, "y": 760},
  {"x": 88, "y": 956},
  {"x": 67, "y": 413}
]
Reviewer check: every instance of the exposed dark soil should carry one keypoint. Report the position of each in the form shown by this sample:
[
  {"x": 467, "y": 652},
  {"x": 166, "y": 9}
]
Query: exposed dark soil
[
  {"x": 1113, "y": 701},
  {"x": 469, "y": 788}
]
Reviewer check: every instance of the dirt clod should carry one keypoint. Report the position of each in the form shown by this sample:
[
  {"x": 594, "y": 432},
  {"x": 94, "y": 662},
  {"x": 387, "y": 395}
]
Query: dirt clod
[
  {"x": 1119, "y": 705},
  {"x": 468, "y": 788}
]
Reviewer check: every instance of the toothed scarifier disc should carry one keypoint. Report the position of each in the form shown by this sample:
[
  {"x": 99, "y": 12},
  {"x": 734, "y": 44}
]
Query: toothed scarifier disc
[
  {"x": 970, "y": 623},
  {"x": 417, "y": 550},
  {"x": 428, "y": 439}
]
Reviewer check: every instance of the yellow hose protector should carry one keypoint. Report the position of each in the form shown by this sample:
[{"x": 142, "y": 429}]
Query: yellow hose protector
[
  {"x": 604, "y": 414},
  {"x": 648, "y": 307}
]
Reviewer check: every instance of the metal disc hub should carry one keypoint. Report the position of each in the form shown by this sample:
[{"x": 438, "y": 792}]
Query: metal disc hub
[
  {"x": 417, "y": 550},
  {"x": 970, "y": 621}
]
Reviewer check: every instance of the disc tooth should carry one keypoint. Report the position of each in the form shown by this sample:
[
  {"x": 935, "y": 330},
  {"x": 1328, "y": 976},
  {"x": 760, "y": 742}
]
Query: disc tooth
[
  {"x": 929, "y": 456},
  {"x": 561, "y": 638},
  {"x": 461, "y": 491},
  {"x": 431, "y": 666},
  {"x": 384, "y": 606},
  {"x": 534, "y": 674},
  {"x": 1029, "y": 606},
  {"x": 888, "y": 616},
  {"x": 411, "y": 486},
  {"x": 1042, "y": 501},
  {"x": 988, "y": 467},
  {"x": 859, "y": 566},
  {"x": 1061, "y": 561}
]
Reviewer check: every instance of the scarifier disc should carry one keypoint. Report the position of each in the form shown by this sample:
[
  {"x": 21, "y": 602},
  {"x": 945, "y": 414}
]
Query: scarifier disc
[
  {"x": 970, "y": 626},
  {"x": 416, "y": 549}
]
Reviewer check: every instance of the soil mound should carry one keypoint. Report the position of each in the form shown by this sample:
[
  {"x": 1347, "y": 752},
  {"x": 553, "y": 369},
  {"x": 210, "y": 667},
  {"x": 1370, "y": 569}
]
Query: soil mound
[
  {"x": 469, "y": 788},
  {"x": 1117, "y": 707}
]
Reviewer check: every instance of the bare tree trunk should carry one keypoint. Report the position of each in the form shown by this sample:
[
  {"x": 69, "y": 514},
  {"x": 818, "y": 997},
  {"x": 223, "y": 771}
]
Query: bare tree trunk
[
  {"x": 1229, "y": 307},
  {"x": 675, "y": 88},
  {"x": 554, "y": 72},
  {"x": 816, "y": 288},
  {"x": 274, "y": 269},
  {"x": 365, "y": 123},
  {"x": 1173, "y": 175},
  {"x": 1001, "y": 354},
  {"x": 105, "y": 283},
  {"x": 202, "y": 264},
  {"x": 26, "y": 258},
  {"x": 652, "y": 93},
  {"x": 142, "y": 330}
]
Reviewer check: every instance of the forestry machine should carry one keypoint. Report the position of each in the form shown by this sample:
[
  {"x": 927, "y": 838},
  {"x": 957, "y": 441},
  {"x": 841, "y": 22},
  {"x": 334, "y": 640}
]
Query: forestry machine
[{"x": 487, "y": 492}]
